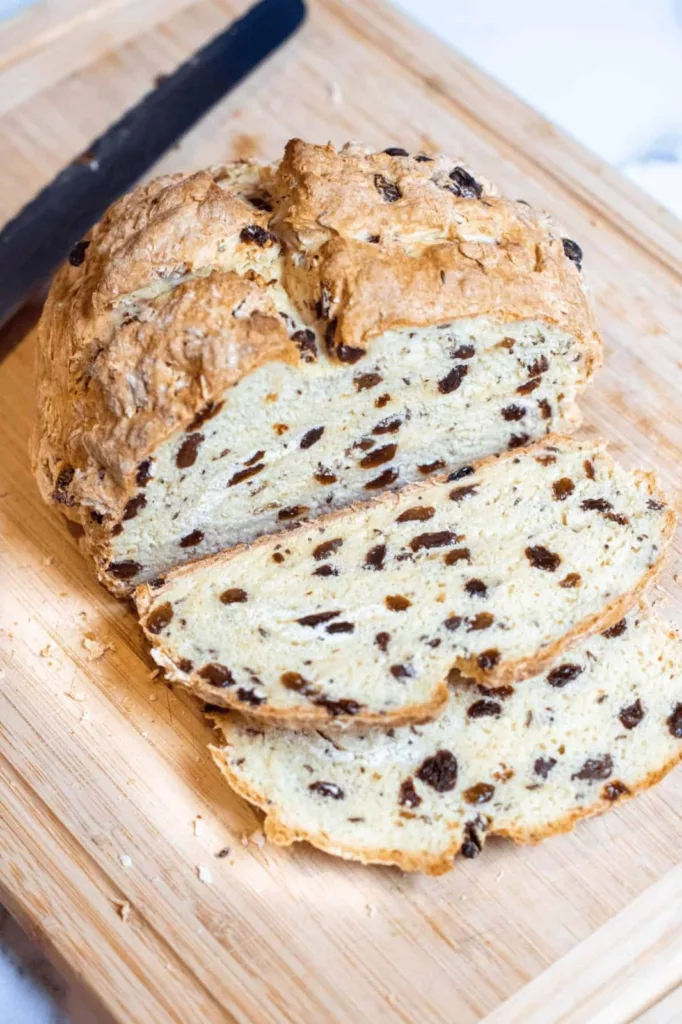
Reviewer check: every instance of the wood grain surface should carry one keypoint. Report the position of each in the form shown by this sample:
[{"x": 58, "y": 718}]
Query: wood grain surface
[{"x": 109, "y": 804}]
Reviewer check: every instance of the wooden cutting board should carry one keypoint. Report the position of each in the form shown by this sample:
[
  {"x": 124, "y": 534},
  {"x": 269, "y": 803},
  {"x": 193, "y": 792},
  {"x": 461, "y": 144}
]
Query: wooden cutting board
[{"x": 109, "y": 803}]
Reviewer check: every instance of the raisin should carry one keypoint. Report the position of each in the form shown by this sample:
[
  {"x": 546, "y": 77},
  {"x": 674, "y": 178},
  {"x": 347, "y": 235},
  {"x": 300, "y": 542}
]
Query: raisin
[
  {"x": 545, "y": 408},
  {"x": 465, "y": 185},
  {"x": 396, "y": 151},
  {"x": 326, "y": 570},
  {"x": 460, "y": 473},
  {"x": 538, "y": 367},
  {"x": 157, "y": 583},
  {"x": 530, "y": 385},
  {"x": 422, "y": 158},
  {"x": 312, "y": 437},
  {"x": 589, "y": 469},
  {"x": 417, "y": 514},
  {"x": 324, "y": 476},
  {"x": 439, "y": 539},
  {"x": 255, "y": 233},
  {"x": 382, "y": 641},
  {"x": 217, "y": 674},
  {"x": 389, "y": 476},
  {"x": 439, "y": 771},
  {"x": 616, "y": 630},
  {"x": 453, "y": 622},
  {"x": 674, "y": 721},
  {"x": 563, "y": 674},
  {"x": 374, "y": 239},
  {"x": 614, "y": 790},
  {"x": 562, "y": 488},
  {"x": 234, "y": 595},
  {"x": 327, "y": 789},
  {"x": 185, "y": 665},
  {"x": 513, "y": 412},
  {"x": 482, "y": 620},
  {"x": 187, "y": 452},
  {"x": 143, "y": 474},
  {"x": 159, "y": 618},
  {"x": 305, "y": 342},
  {"x": 77, "y": 254},
  {"x": 317, "y": 618},
  {"x": 207, "y": 413},
  {"x": 388, "y": 190},
  {"x": 476, "y": 588},
  {"x": 245, "y": 474},
  {"x": 61, "y": 486},
  {"x": 327, "y": 549},
  {"x": 278, "y": 557},
  {"x": 262, "y": 202},
  {"x": 655, "y": 506},
  {"x": 96, "y": 517},
  {"x": 543, "y": 766},
  {"x": 573, "y": 252},
  {"x": 116, "y": 530},
  {"x": 295, "y": 681},
  {"x": 518, "y": 441},
  {"x": 541, "y": 558},
  {"x": 471, "y": 844},
  {"x": 330, "y": 333},
  {"x": 431, "y": 467},
  {"x": 379, "y": 456},
  {"x": 632, "y": 715},
  {"x": 481, "y": 793},
  {"x": 459, "y": 494},
  {"x": 457, "y": 555},
  {"x": 573, "y": 579},
  {"x": 401, "y": 671},
  {"x": 596, "y": 505},
  {"x": 341, "y": 627},
  {"x": 595, "y": 768},
  {"x": 344, "y": 706},
  {"x": 293, "y": 512},
  {"x": 388, "y": 427},
  {"x": 349, "y": 354},
  {"x": 483, "y": 708},
  {"x": 397, "y": 603},
  {"x": 408, "y": 795},
  {"x": 254, "y": 458},
  {"x": 124, "y": 570},
  {"x": 366, "y": 381},
  {"x": 452, "y": 381},
  {"x": 381, "y": 401},
  {"x": 192, "y": 539},
  {"x": 249, "y": 696},
  {"x": 463, "y": 352},
  {"x": 133, "y": 506},
  {"x": 487, "y": 660}
]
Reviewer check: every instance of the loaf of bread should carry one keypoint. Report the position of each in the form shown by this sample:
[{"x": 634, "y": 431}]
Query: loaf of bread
[
  {"x": 240, "y": 349},
  {"x": 366, "y": 614},
  {"x": 525, "y": 763}
]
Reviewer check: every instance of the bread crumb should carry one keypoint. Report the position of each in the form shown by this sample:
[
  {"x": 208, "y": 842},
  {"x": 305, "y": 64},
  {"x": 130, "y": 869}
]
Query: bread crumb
[
  {"x": 2, "y": 673},
  {"x": 463, "y": 898},
  {"x": 126, "y": 861},
  {"x": 94, "y": 647},
  {"x": 46, "y": 651},
  {"x": 335, "y": 94},
  {"x": 122, "y": 909},
  {"x": 244, "y": 839},
  {"x": 198, "y": 825},
  {"x": 499, "y": 876},
  {"x": 155, "y": 673},
  {"x": 257, "y": 838},
  {"x": 370, "y": 909},
  {"x": 222, "y": 854},
  {"x": 48, "y": 560},
  {"x": 154, "y": 697},
  {"x": 74, "y": 695},
  {"x": 205, "y": 875},
  {"x": 85, "y": 716}
]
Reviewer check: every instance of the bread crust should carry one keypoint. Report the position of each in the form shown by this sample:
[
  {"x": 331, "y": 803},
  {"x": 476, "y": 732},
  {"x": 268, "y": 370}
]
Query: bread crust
[
  {"x": 138, "y": 337},
  {"x": 510, "y": 672}
]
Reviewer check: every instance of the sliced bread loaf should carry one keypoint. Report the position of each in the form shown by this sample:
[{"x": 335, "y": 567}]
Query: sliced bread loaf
[
  {"x": 524, "y": 763},
  {"x": 362, "y": 614},
  {"x": 235, "y": 350}
]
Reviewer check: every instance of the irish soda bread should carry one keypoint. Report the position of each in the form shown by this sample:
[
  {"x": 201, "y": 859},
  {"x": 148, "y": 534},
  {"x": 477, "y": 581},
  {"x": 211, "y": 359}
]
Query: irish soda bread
[
  {"x": 233, "y": 351},
  {"x": 362, "y": 614},
  {"x": 524, "y": 763}
]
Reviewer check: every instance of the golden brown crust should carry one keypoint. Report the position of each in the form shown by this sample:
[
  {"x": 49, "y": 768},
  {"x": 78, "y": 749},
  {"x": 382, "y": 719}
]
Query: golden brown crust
[
  {"x": 509, "y": 672},
  {"x": 133, "y": 341},
  {"x": 282, "y": 835}
]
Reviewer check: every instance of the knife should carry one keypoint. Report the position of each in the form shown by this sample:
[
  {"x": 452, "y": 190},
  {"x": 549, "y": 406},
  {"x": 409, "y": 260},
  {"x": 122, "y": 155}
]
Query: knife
[{"x": 41, "y": 235}]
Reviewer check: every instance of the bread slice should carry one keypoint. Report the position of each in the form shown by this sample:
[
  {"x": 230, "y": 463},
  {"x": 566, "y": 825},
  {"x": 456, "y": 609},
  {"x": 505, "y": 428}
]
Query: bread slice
[
  {"x": 525, "y": 763},
  {"x": 243, "y": 348},
  {"x": 491, "y": 574}
]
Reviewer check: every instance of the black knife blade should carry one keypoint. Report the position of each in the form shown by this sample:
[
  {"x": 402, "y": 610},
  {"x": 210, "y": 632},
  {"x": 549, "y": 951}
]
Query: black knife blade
[{"x": 43, "y": 233}]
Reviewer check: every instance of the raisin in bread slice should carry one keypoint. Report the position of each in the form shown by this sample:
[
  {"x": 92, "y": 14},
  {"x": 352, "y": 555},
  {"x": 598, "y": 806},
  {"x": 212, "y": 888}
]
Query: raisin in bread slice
[
  {"x": 235, "y": 350},
  {"x": 364, "y": 613},
  {"x": 525, "y": 763}
]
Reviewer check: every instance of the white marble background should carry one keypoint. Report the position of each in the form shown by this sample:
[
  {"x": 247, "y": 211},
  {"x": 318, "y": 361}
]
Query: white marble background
[{"x": 607, "y": 71}]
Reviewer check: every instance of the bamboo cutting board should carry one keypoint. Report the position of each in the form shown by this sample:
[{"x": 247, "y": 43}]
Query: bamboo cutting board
[{"x": 109, "y": 803}]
